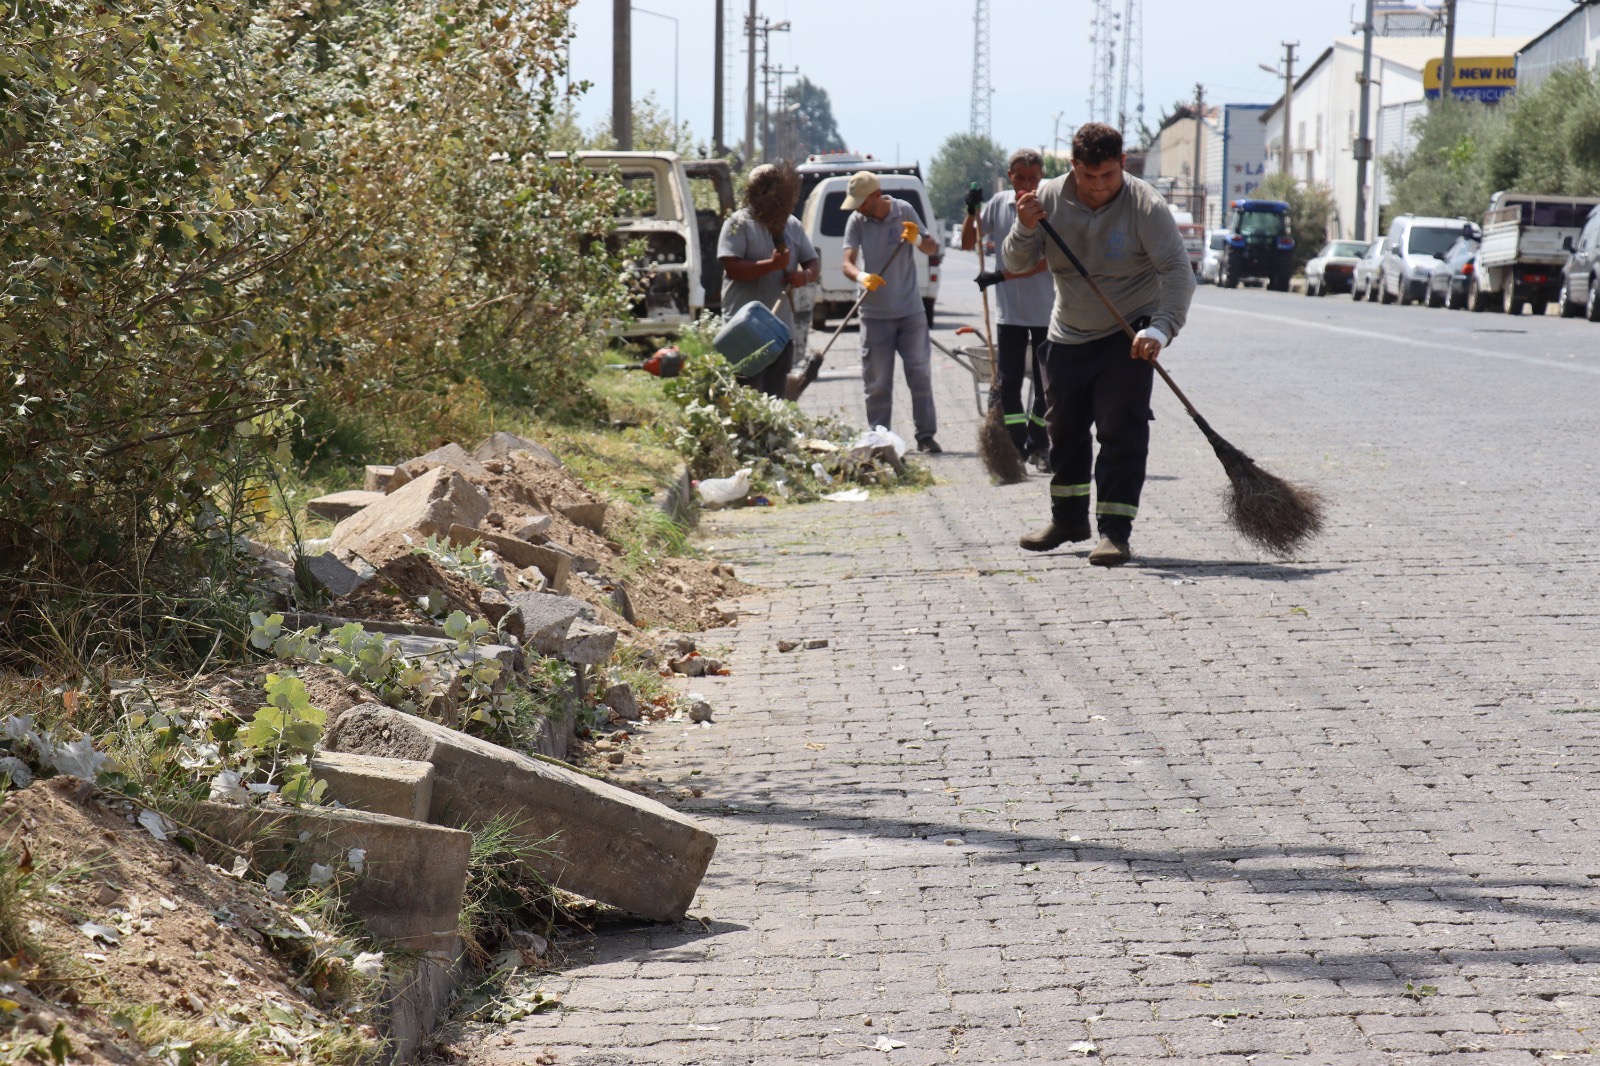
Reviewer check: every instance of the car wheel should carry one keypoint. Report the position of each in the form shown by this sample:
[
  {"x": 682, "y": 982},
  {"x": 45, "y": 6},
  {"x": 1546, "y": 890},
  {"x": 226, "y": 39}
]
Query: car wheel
[
  {"x": 1355, "y": 290},
  {"x": 1564, "y": 300},
  {"x": 1403, "y": 291},
  {"x": 1591, "y": 306},
  {"x": 1511, "y": 299},
  {"x": 1382, "y": 285},
  {"x": 1476, "y": 300}
]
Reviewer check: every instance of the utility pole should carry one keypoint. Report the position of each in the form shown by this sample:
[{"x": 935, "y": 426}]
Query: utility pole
[
  {"x": 1197, "y": 201},
  {"x": 1284, "y": 163},
  {"x": 1363, "y": 148},
  {"x": 622, "y": 74},
  {"x": 750, "y": 86},
  {"x": 1447, "y": 74},
  {"x": 717, "y": 147},
  {"x": 767, "y": 29}
]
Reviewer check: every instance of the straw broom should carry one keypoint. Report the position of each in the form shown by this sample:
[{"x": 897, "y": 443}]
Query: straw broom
[
  {"x": 1265, "y": 509},
  {"x": 995, "y": 447}
]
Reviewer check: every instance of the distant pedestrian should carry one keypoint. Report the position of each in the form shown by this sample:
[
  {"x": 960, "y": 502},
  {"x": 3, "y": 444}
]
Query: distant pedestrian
[
  {"x": 892, "y": 316},
  {"x": 765, "y": 253},
  {"x": 1096, "y": 377},
  {"x": 1023, "y": 302}
]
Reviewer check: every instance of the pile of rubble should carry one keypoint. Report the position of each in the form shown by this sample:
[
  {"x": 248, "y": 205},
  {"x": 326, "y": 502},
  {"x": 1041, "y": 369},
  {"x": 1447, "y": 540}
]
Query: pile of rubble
[{"x": 410, "y": 788}]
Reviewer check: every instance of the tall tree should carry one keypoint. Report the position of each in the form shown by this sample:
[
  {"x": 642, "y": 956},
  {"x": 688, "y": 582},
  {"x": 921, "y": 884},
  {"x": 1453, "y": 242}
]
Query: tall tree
[
  {"x": 807, "y": 121},
  {"x": 962, "y": 159}
]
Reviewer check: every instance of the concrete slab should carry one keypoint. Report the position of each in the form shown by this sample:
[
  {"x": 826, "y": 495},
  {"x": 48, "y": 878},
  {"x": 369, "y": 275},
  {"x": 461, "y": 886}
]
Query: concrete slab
[
  {"x": 451, "y": 455},
  {"x": 402, "y": 788},
  {"x": 384, "y": 479},
  {"x": 502, "y": 445},
  {"x": 413, "y": 873},
  {"x": 590, "y": 514},
  {"x": 594, "y": 839},
  {"x": 337, "y": 506},
  {"x": 429, "y": 505},
  {"x": 553, "y": 563}
]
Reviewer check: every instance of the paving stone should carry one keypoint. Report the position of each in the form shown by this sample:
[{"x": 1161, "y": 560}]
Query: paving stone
[{"x": 1209, "y": 781}]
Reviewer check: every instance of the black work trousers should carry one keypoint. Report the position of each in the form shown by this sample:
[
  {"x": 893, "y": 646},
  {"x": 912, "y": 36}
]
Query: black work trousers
[
  {"x": 1025, "y": 426},
  {"x": 1098, "y": 386}
]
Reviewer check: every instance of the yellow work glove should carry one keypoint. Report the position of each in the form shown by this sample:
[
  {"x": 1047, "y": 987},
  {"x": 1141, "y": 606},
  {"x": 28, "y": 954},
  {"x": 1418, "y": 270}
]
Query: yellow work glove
[
  {"x": 909, "y": 232},
  {"x": 871, "y": 282}
]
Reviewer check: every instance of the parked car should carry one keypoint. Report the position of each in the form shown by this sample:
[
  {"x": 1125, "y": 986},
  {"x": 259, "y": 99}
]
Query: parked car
[
  {"x": 824, "y": 218},
  {"x": 1580, "y": 276},
  {"x": 1524, "y": 248},
  {"x": 1414, "y": 247},
  {"x": 1450, "y": 280},
  {"x": 1211, "y": 262},
  {"x": 1330, "y": 270},
  {"x": 1259, "y": 245},
  {"x": 1365, "y": 273}
]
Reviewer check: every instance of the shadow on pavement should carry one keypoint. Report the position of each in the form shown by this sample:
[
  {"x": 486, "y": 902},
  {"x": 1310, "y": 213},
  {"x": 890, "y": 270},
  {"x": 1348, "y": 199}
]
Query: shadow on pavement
[{"x": 1254, "y": 569}]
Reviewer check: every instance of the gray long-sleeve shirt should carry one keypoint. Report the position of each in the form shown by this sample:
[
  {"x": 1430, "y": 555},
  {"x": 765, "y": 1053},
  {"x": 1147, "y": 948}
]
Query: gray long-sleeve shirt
[{"x": 1131, "y": 247}]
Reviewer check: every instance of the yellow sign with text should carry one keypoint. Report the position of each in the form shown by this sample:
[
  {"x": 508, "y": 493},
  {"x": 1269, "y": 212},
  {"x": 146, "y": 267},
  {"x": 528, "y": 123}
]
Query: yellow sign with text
[{"x": 1476, "y": 77}]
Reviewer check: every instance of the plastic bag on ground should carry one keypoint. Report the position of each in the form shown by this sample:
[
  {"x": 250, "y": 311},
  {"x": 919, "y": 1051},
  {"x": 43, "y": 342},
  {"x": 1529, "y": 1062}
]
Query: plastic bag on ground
[
  {"x": 725, "y": 489},
  {"x": 878, "y": 436}
]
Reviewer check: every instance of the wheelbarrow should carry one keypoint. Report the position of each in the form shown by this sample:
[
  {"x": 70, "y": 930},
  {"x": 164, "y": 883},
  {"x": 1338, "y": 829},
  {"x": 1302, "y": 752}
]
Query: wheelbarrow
[{"x": 974, "y": 359}]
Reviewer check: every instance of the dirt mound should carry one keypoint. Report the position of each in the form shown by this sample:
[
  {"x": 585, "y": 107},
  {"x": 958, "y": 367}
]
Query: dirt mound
[{"x": 137, "y": 922}]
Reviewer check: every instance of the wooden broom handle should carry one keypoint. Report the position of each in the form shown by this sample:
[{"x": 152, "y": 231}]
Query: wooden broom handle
[{"x": 1050, "y": 231}]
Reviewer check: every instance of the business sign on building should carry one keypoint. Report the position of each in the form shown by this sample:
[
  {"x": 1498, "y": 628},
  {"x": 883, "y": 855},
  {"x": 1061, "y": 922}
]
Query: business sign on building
[
  {"x": 1485, "y": 79},
  {"x": 1244, "y": 151}
]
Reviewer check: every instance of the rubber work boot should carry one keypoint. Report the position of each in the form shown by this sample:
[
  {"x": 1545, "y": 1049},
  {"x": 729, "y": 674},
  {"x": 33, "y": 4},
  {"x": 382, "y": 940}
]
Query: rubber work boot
[
  {"x": 1054, "y": 535},
  {"x": 1109, "y": 552}
]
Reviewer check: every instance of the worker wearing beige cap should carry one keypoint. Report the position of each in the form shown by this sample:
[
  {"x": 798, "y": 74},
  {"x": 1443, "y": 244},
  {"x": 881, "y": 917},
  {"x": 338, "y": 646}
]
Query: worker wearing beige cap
[{"x": 892, "y": 316}]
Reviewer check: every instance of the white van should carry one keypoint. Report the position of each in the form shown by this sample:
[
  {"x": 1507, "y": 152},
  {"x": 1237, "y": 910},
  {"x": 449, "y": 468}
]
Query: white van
[{"x": 824, "y": 218}]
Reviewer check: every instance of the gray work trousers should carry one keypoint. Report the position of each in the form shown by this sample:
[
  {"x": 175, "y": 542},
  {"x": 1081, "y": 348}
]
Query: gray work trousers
[{"x": 881, "y": 339}]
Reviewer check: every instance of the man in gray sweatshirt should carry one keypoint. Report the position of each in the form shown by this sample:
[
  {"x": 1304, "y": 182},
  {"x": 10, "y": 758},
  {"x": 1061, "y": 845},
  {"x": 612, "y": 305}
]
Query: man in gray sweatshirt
[{"x": 1096, "y": 377}]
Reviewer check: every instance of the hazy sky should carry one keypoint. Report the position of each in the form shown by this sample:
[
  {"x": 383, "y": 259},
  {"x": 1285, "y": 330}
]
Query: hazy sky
[{"x": 899, "y": 72}]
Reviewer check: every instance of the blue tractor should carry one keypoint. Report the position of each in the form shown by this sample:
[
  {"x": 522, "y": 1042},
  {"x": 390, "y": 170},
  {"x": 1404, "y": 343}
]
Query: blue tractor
[{"x": 1259, "y": 245}]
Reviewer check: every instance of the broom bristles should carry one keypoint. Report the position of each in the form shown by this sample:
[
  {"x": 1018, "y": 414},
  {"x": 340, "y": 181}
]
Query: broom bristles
[
  {"x": 997, "y": 450},
  {"x": 1269, "y": 511},
  {"x": 1265, "y": 509}
]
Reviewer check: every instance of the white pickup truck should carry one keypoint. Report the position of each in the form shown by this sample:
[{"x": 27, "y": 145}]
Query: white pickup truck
[{"x": 1523, "y": 250}]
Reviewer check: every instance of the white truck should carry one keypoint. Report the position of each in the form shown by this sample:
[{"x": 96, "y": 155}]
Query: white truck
[
  {"x": 1523, "y": 249},
  {"x": 1194, "y": 236}
]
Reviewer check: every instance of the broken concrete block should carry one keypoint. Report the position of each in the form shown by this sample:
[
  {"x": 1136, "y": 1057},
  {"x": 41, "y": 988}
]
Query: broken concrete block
[
  {"x": 337, "y": 506},
  {"x": 587, "y": 643},
  {"x": 494, "y": 603},
  {"x": 726, "y": 612},
  {"x": 546, "y": 617},
  {"x": 333, "y": 575},
  {"x": 450, "y": 455},
  {"x": 428, "y": 506},
  {"x": 592, "y": 838},
  {"x": 532, "y": 527},
  {"x": 384, "y": 479},
  {"x": 590, "y": 514},
  {"x": 413, "y": 873},
  {"x": 553, "y": 563},
  {"x": 501, "y": 446},
  {"x": 402, "y": 788},
  {"x": 440, "y": 649},
  {"x": 620, "y": 698}
]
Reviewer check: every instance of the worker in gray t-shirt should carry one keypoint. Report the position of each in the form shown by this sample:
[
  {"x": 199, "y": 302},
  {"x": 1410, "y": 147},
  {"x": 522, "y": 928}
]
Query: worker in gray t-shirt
[
  {"x": 892, "y": 316},
  {"x": 760, "y": 268},
  {"x": 1024, "y": 303}
]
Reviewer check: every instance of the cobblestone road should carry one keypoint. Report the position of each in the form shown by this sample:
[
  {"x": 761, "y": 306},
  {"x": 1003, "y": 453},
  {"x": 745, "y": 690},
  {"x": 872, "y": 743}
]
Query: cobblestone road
[{"x": 1205, "y": 808}]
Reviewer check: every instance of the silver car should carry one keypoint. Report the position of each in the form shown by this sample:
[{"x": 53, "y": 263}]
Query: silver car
[
  {"x": 1211, "y": 262},
  {"x": 1365, "y": 274}
]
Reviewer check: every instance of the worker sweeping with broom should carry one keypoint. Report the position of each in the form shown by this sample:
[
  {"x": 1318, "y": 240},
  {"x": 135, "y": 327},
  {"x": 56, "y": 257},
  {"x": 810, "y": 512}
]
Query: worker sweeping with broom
[
  {"x": 1023, "y": 303},
  {"x": 1097, "y": 377}
]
